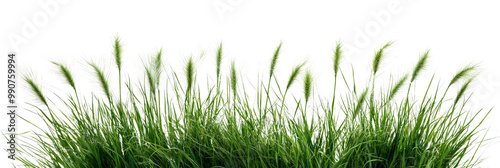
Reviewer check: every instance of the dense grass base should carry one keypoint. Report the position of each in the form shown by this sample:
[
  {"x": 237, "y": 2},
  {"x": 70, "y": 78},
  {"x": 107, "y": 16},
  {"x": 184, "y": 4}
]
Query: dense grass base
[{"x": 155, "y": 127}]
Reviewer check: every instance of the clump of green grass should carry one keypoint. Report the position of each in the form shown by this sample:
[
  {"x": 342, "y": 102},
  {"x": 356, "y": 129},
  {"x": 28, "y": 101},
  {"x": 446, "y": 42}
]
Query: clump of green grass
[{"x": 222, "y": 128}]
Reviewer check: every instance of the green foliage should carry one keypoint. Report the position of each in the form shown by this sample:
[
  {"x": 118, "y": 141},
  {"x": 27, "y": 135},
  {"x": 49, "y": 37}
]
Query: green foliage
[{"x": 173, "y": 127}]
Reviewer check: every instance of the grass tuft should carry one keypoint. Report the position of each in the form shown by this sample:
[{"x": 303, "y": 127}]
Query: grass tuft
[
  {"x": 186, "y": 127},
  {"x": 360, "y": 103}
]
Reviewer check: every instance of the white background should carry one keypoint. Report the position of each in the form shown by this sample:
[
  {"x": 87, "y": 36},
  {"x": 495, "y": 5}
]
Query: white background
[{"x": 457, "y": 32}]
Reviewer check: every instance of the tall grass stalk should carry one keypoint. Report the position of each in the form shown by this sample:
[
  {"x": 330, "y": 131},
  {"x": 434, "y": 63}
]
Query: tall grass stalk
[{"x": 117, "y": 52}]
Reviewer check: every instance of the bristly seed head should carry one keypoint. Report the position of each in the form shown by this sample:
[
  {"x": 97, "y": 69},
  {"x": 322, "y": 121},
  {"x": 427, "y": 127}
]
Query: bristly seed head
[
  {"x": 379, "y": 56},
  {"x": 307, "y": 85},
  {"x": 158, "y": 66},
  {"x": 293, "y": 75},
  {"x": 397, "y": 86},
  {"x": 102, "y": 79},
  {"x": 118, "y": 53},
  {"x": 462, "y": 73},
  {"x": 421, "y": 64},
  {"x": 219, "y": 59},
  {"x": 230, "y": 126},
  {"x": 189, "y": 70},
  {"x": 360, "y": 102},
  {"x": 336, "y": 57},
  {"x": 233, "y": 78},
  {"x": 462, "y": 91},
  {"x": 153, "y": 71},
  {"x": 36, "y": 90},
  {"x": 274, "y": 60},
  {"x": 66, "y": 74},
  {"x": 151, "y": 80}
]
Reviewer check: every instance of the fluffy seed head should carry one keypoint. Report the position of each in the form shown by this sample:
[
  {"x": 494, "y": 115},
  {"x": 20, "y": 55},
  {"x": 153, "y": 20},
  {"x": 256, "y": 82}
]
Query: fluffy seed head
[
  {"x": 36, "y": 90},
  {"x": 274, "y": 60},
  {"x": 360, "y": 102},
  {"x": 158, "y": 66},
  {"x": 102, "y": 79},
  {"x": 189, "y": 70},
  {"x": 421, "y": 64},
  {"x": 293, "y": 75},
  {"x": 397, "y": 86},
  {"x": 117, "y": 52},
  {"x": 336, "y": 57},
  {"x": 219, "y": 59},
  {"x": 233, "y": 78},
  {"x": 464, "y": 72},
  {"x": 66, "y": 74},
  {"x": 151, "y": 80},
  {"x": 307, "y": 85},
  {"x": 379, "y": 56},
  {"x": 462, "y": 91}
]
